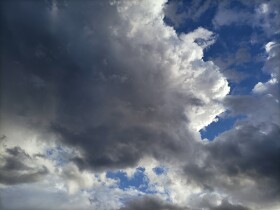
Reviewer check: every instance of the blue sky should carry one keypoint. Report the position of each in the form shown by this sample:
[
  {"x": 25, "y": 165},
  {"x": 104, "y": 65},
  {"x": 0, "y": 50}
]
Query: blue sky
[
  {"x": 140, "y": 105},
  {"x": 138, "y": 180}
]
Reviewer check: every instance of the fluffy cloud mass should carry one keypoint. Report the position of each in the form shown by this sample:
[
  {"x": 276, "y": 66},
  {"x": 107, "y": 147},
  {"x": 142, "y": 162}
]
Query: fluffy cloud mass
[{"x": 98, "y": 87}]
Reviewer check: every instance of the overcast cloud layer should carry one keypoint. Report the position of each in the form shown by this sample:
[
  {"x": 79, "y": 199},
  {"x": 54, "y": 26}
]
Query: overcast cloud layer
[{"x": 90, "y": 88}]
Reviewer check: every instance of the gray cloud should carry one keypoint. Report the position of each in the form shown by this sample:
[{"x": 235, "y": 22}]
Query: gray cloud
[
  {"x": 244, "y": 153},
  {"x": 14, "y": 168},
  {"x": 248, "y": 151},
  {"x": 70, "y": 78},
  {"x": 148, "y": 203}
]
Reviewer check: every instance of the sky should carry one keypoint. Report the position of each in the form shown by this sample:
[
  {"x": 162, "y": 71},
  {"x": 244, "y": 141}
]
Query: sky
[{"x": 140, "y": 105}]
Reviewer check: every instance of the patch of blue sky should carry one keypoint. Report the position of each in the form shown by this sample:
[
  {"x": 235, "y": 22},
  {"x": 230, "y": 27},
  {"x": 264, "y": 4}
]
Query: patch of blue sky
[
  {"x": 49, "y": 152},
  {"x": 222, "y": 125},
  {"x": 159, "y": 170},
  {"x": 59, "y": 155},
  {"x": 138, "y": 181}
]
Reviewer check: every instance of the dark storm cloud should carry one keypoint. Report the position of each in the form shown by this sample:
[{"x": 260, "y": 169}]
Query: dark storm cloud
[
  {"x": 247, "y": 152},
  {"x": 67, "y": 73},
  {"x": 116, "y": 147},
  {"x": 15, "y": 169},
  {"x": 149, "y": 203}
]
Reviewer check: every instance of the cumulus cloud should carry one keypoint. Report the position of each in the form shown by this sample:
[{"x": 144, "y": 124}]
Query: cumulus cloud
[
  {"x": 76, "y": 180},
  {"x": 17, "y": 167}
]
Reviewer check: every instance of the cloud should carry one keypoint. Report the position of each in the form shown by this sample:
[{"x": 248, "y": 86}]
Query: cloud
[
  {"x": 18, "y": 167},
  {"x": 246, "y": 157},
  {"x": 172, "y": 14},
  {"x": 239, "y": 161},
  {"x": 265, "y": 16},
  {"x": 150, "y": 203},
  {"x": 256, "y": 156},
  {"x": 265, "y": 95},
  {"x": 147, "y": 203},
  {"x": 225, "y": 205},
  {"x": 272, "y": 64},
  {"x": 226, "y": 16},
  {"x": 41, "y": 196},
  {"x": 76, "y": 180}
]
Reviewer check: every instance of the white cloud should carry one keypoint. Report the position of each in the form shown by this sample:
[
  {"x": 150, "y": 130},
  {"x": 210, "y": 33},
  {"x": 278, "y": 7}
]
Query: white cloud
[{"x": 75, "y": 179}]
